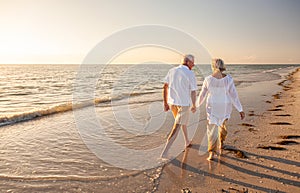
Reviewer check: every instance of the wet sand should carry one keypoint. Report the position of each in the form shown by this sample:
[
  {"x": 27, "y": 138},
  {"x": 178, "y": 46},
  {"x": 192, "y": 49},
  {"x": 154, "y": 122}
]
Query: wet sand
[{"x": 262, "y": 152}]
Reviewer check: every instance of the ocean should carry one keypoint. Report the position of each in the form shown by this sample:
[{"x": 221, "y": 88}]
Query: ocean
[
  {"x": 110, "y": 143},
  {"x": 30, "y": 91}
]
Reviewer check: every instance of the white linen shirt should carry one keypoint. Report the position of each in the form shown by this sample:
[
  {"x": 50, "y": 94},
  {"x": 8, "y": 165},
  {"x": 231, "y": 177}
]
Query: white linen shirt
[
  {"x": 181, "y": 81},
  {"x": 221, "y": 95}
]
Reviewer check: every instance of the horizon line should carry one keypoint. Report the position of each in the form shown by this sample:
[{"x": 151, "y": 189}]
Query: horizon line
[{"x": 147, "y": 63}]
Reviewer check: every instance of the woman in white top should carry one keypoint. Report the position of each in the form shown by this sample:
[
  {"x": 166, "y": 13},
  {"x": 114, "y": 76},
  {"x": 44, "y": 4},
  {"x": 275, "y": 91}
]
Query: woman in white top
[{"x": 221, "y": 95}]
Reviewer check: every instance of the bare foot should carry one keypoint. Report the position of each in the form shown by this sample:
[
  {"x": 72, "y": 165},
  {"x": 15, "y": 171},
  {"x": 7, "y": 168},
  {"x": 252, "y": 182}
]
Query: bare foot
[
  {"x": 221, "y": 146},
  {"x": 188, "y": 144},
  {"x": 220, "y": 151},
  {"x": 162, "y": 160},
  {"x": 210, "y": 157},
  {"x": 163, "y": 156}
]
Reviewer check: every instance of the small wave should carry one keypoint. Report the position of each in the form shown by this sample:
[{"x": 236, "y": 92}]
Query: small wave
[
  {"x": 271, "y": 70},
  {"x": 35, "y": 114},
  {"x": 8, "y": 120},
  {"x": 20, "y": 94},
  {"x": 26, "y": 116},
  {"x": 67, "y": 178},
  {"x": 139, "y": 94}
]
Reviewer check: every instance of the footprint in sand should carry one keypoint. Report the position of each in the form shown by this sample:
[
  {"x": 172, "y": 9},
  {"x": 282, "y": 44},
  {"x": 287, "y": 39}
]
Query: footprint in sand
[
  {"x": 276, "y": 96},
  {"x": 276, "y": 109},
  {"x": 283, "y": 115},
  {"x": 186, "y": 190},
  {"x": 280, "y": 123},
  {"x": 277, "y": 106},
  {"x": 289, "y": 136},
  {"x": 238, "y": 153},
  {"x": 251, "y": 129},
  {"x": 247, "y": 125},
  {"x": 269, "y": 147},
  {"x": 287, "y": 88},
  {"x": 251, "y": 113},
  {"x": 287, "y": 142}
]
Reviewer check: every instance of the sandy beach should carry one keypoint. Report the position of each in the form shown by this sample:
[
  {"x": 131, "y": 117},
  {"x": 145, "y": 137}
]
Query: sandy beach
[{"x": 262, "y": 152}]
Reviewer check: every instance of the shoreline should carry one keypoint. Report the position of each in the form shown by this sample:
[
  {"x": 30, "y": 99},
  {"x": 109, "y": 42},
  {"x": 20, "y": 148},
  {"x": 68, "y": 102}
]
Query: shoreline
[{"x": 261, "y": 152}]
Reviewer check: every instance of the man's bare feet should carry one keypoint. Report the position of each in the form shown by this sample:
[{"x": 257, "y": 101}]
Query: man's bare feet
[
  {"x": 189, "y": 144},
  {"x": 164, "y": 156}
]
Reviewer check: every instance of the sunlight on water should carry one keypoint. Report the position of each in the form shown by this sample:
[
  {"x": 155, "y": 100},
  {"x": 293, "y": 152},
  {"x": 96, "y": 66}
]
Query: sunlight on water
[{"x": 29, "y": 91}]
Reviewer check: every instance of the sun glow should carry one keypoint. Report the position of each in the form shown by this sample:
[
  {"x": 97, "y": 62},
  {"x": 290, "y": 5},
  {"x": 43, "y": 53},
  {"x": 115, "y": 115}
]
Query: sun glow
[{"x": 147, "y": 54}]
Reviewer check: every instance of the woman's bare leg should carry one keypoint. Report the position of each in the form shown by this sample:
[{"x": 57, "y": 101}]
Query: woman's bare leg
[
  {"x": 222, "y": 134},
  {"x": 212, "y": 136}
]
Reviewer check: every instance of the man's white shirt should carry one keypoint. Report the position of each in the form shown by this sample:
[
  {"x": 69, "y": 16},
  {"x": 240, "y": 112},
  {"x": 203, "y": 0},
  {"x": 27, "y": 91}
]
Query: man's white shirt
[{"x": 181, "y": 81}]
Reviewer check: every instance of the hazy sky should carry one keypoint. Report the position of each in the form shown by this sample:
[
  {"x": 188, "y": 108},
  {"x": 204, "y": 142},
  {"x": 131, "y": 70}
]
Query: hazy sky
[{"x": 64, "y": 31}]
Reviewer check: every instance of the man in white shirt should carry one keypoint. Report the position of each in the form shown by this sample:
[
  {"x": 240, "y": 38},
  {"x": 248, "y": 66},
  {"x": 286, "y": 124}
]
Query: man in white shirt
[{"x": 179, "y": 95}]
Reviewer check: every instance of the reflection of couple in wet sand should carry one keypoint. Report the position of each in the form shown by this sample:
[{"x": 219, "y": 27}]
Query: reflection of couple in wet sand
[{"x": 179, "y": 95}]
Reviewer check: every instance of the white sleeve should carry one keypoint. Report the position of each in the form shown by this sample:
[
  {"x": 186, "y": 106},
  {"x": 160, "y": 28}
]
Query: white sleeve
[
  {"x": 167, "y": 78},
  {"x": 234, "y": 97},
  {"x": 202, "y": 94},
  {"x": 193, "y": 83}
]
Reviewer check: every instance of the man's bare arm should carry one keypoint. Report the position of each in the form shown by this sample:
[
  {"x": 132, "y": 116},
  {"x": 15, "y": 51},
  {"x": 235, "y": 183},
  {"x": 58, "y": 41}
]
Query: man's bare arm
[
  {"x": 165, "y": 97},
  {"x": 193, "y": 97}
]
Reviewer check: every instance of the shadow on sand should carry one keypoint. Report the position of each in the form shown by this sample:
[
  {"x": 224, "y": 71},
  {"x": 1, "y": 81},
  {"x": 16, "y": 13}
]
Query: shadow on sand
[{"x": 187, "y": 167}]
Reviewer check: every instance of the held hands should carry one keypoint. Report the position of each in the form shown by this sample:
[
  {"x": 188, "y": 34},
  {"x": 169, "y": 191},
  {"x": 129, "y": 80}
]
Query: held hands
[
  {"x": 193, "y": 109},
  {"x": 167, "y": 107},
  {"x": 242, "y": 114}
]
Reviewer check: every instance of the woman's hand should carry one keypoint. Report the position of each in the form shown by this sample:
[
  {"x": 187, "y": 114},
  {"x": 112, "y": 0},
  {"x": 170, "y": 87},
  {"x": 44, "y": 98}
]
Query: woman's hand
[
  {"x": 166, "y": 107},
  {"x": 242, "y": 114},
  {"x": 193, "y": 109}
]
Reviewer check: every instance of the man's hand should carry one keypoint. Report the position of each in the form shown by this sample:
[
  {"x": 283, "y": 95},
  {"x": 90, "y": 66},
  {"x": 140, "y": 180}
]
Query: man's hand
[
  {"x": 242, "y": 114},
  {"x": 193, "y": 109},
  {"x": 166, "y": 107}
]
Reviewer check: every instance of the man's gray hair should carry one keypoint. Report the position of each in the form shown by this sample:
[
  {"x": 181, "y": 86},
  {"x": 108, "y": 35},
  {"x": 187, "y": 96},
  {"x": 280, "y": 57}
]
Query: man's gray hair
[{"x": 186, "y": 58}]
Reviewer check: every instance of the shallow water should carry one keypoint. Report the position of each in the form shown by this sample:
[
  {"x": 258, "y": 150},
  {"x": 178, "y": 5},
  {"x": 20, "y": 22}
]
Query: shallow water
[
  {"x": 49, "y": 154},
  {"x": 34, "y": 88}
]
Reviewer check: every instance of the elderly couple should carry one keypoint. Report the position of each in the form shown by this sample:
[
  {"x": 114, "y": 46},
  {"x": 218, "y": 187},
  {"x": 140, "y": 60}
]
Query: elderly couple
[{"x": 179, "y": 95}]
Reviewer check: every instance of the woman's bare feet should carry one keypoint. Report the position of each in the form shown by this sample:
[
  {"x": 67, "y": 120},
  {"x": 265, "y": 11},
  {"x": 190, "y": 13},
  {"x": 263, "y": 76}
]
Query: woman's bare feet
[
  {"x": 220, "y": 151},
  {"x": 221, "y": 144},
  {"x": 210, "y": 156}
]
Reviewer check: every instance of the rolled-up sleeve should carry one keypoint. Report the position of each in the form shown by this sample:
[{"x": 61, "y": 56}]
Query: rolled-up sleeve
[
  {"x": 234, "y": 97},
  {"x": 167, "y": 79},
  {"x": 202, "y": 94}
]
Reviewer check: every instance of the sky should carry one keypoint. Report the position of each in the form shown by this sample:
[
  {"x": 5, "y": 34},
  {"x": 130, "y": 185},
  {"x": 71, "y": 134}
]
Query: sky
[{"x": 65, "y": 31}]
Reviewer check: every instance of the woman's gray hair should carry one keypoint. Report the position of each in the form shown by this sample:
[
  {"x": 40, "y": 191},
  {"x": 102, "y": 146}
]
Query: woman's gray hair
[
  {"x": 186, "y": 58},
  {"x": 218, "y": 65}
]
